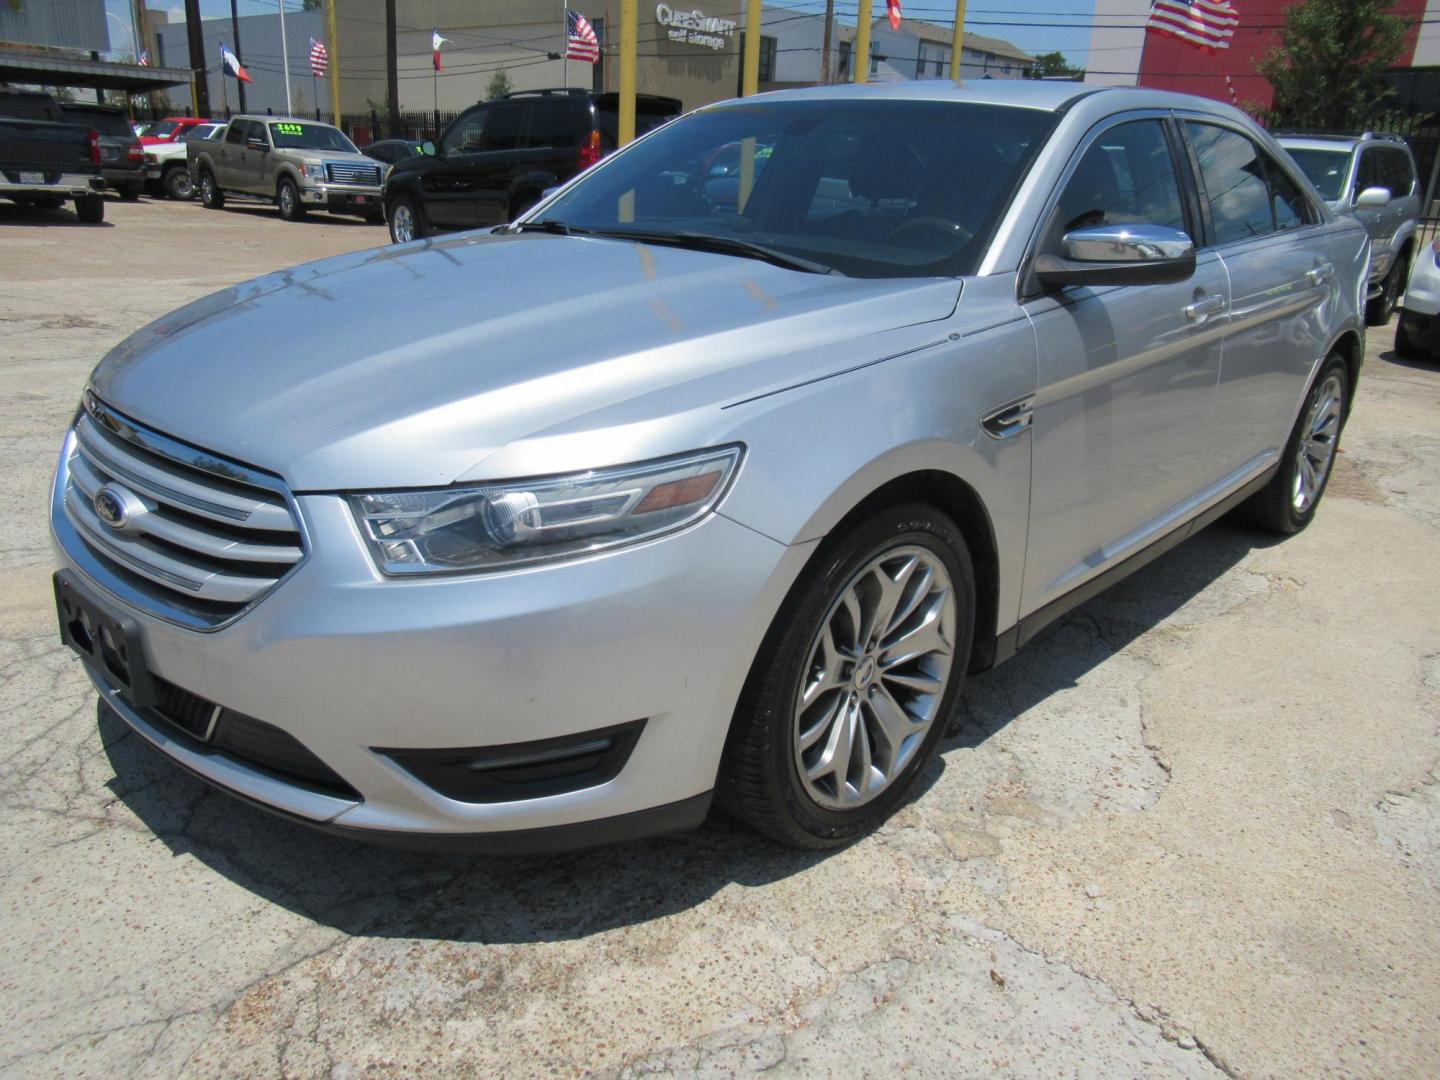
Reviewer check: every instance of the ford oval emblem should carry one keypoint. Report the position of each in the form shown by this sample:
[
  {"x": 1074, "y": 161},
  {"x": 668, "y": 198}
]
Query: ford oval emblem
[{"x": 111, "y": 508}]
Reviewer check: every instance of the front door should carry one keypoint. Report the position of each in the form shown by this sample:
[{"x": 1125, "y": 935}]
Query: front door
[
  {"x": 448, "y": 180},
  {"x": 1126, "y": 374}
]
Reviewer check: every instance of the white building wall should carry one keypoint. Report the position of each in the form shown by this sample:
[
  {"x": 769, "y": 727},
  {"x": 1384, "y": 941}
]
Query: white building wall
[
  {"x": 1427, "y": 49},
  {"x": 1117, "y": 42},
  {"x": 902, "y": 59}
]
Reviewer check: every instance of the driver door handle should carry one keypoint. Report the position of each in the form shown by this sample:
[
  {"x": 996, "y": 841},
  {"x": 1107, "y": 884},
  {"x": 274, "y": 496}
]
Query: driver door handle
[{"x": 1205, "y": 306}]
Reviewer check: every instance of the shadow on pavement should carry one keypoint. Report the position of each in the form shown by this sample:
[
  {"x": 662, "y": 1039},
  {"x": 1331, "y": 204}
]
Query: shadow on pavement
[
  {"x": 13, "y": 214},
  {"x": 379, "y": 892},
  {"x": 1414, "y": 363}
]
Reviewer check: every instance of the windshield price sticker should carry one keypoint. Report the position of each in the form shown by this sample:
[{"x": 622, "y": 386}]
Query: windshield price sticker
[{"x": 290, "y": 129}]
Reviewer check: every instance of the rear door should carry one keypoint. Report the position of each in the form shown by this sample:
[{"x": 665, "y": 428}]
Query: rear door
[
  {"x": 227, "y": 155},
  {"x": 1379, "y": 221},
  {"x": 1127, "y": 374},
  {"x": 1282, "y": 280}
]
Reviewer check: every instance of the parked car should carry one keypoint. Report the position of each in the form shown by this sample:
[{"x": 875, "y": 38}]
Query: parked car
[
  {"x": 547, "y": 536},
  {"x": 141, "y": 127},
  {"x": 497, "y": 158},
  {"x": 392, "y": 150},
  {"x": 45, "y": 159},
  {"x": 1372, "y": 176},
  {"x": 297, "y": 165},
  {"x": 167, "y": 167},
  {"x": 122, "y": 160},
  {"x": 171, "y": 129},
  {"x": 1418, "y": 332}
]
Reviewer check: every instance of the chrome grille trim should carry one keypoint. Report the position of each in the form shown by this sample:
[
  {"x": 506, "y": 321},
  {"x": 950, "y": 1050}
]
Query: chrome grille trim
[
  {"x": 204, "y": 539},
  {"x": 338, "y": 172}
]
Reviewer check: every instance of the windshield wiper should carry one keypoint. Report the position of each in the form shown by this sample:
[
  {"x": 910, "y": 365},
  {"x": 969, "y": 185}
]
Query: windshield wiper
[
  {"x": 550, "y": 225},
  {"x": 721, "y": 245}
]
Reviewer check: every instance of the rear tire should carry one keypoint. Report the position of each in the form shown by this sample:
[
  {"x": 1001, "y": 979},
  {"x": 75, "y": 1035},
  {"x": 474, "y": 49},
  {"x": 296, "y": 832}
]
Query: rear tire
[
  {"x": 1379, "y": 310},
  {"x": 1288, "y": 502},
  {"x": 855, "y": 683},
  {"x": 211, "y": 197},
  {"x": 287, "y": 197},
  {"x": 90, "y": 209},
  {"x": 177, "y": 183},
  {"x": 130, "y": 190}
]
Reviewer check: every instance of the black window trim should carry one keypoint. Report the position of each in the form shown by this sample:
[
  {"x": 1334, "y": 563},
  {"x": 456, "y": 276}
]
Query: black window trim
[
  {"x": 1266, "y": 155},
  {"x": 1028, "y": 286}
]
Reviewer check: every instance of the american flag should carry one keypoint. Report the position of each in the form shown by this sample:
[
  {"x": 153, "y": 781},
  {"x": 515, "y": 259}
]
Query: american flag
[
  {"x": 1209, "y": 24},
  {"x": 319, "y": 58},
  {"x": 144, "y": 59},
  {"x": 580, "y": 40}
]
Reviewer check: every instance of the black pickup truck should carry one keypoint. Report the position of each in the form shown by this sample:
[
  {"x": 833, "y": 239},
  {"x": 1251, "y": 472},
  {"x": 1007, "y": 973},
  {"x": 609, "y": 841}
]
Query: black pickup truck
[{"x": 44, "y": 160}]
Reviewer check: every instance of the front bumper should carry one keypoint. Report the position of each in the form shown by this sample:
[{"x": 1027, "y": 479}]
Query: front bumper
[
  {"x": 343, "y": 198},
  {"x": 345, "y": 661}
]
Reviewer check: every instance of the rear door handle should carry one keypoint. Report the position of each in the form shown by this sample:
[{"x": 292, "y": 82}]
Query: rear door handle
[
  {"x": 1205, "y": 306},
  {"x": 1320, "y": 273}
]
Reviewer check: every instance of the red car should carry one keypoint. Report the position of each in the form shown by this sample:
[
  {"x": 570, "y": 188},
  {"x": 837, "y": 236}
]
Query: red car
[{"x": 171, "y": 129}]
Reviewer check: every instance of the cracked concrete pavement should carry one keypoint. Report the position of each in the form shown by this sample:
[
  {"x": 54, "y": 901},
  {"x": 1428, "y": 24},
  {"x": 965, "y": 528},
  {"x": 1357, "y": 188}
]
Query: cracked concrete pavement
[{"x": 1193, "y": 830}]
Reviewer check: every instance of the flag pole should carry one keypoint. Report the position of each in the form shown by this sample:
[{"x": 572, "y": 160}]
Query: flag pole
[
  {"x": 958, "y": 40},
  {"x": 285, "y": 54},
  {"x": 565, "y": 43}
]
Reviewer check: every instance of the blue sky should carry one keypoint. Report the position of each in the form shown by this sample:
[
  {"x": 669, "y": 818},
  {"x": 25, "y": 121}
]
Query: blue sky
[{"x": 1042, "y": 25}]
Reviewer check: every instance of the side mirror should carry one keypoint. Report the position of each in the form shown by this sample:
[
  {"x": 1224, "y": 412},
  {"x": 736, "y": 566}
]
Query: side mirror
[
  {"x": 1373, "y": 196},
  {"x": 1119, "y": 255},
  {"x": 257, "y": 144},
  {"x": 427, "y": 148}
]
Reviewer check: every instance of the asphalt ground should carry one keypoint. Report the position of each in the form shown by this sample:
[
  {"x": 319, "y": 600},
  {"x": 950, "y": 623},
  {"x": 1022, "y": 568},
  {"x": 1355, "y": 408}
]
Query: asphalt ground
[{"x": 1194, "y": 829}]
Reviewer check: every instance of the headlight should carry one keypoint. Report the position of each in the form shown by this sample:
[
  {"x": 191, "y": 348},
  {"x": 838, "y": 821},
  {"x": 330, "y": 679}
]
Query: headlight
[
  {"x": 497, "y": 526},
  {"x": 314, "y": 171}
]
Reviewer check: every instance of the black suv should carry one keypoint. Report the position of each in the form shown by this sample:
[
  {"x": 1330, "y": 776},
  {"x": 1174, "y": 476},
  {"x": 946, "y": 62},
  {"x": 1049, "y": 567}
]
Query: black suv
[
  {"x": 497, "y": 158},
  {"x": 122, "y": 159}
]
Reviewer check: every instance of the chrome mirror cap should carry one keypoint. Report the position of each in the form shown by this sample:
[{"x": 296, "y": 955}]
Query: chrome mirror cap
[
  {"x": 1373, "y": 196},
  {"x": 1127, "y": 244}
]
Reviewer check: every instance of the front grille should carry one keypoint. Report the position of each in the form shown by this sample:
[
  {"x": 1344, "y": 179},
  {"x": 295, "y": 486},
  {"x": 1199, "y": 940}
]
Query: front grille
[
  {"x": 244, "y": 739},
  {"x": 344, "y": 173},
  {"x": 198, "y": 531}
]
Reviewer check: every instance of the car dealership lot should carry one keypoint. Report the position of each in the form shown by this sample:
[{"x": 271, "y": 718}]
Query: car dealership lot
[{"x": 1194, "y": 828}]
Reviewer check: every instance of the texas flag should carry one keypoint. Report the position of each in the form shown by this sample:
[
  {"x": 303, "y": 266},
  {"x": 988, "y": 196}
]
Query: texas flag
[
  {"x": 892, "y": 8},
  {"x": 435, "y": 42},
  {"x": 230, "y": 63}
]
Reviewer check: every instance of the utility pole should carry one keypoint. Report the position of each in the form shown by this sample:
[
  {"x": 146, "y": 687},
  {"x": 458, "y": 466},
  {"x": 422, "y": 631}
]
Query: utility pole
[
  {"x": 334, "y": 62},
  {"x": 825, "y": 45},
  {"x": 392, "y": 73},
  {"x": 195, "y": 39},
  {"x": 750, "y": 63},
  {"x": 235, "y": 30},
  {"x": 629, "y": 18},
  {"x": 959, "y": 39},
  {"x": 862, "y": 42},
  {"x": 142, "y": 39}
]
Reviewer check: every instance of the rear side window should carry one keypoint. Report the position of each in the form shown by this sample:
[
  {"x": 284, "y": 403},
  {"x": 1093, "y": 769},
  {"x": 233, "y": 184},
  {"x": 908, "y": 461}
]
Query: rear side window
[
  {"x": 102, "y": 120},
  {"x": 466, "y": 135},
  {"x": 1387, "y": 167},
  {"x": 1235, "y": 183},
  {"x": 505, "y": 127},
  {"x": 235, "y": 133},
  {"x": 1127, "y": 177},
  {"x": 560, "y": 123}
]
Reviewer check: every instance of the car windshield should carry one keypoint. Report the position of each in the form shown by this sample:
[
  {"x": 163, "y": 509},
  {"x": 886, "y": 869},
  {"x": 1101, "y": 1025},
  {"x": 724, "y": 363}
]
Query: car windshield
[
  {"x": 164, "y": 130},
  {"x": 1325, "y": 168},
  {"x": 866, "y": 188},
  {"x": 290, "y": 135}
]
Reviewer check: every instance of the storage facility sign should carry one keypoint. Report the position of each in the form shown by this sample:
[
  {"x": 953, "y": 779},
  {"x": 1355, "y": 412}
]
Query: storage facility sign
[{"x": 695, "y": 27}]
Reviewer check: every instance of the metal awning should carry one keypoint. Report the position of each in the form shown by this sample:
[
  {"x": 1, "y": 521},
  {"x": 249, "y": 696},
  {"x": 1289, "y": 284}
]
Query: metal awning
[{"x": 50, "y": 70}]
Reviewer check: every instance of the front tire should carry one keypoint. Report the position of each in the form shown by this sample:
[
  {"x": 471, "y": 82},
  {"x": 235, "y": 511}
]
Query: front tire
[
  {"x": 177, "y": 183},
  {"x": 90, "y": 209},
  {"x": 406, "y": 221},
  {"x": 211, "y": 197},
  {"x": 287, "y": 197},
  {"x": 855, "y": 683},
  {"x": 1379, "y": 310},
  {"x": 1288, "y": 502}
]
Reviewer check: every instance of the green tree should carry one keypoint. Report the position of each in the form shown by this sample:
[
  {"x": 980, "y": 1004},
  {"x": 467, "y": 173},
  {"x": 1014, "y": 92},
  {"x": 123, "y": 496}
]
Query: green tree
[
  {"x": 311, "y": 5},
  {"x": 1326, "y": 70},
  {"x": 499, "y": 85},
  {"x": 1054, "y": 65}
]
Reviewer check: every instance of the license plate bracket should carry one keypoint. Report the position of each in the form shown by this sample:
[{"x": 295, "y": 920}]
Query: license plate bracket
[
  {"x": 32, "y": 178},
  {"x": 106, "y": 640}
]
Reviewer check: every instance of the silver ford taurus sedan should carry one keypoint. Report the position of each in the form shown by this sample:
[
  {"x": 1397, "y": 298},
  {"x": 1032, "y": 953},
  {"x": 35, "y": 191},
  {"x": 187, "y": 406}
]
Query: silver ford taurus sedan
[{"x": 713, "y": 476}]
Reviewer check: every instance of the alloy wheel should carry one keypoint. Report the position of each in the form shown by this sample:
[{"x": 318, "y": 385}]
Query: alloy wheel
[
  {"x": 1318, "y": 440},
  {"x": 402, "y": 223},
  {"x": 876, "y": 673},
  {"x": 287, "y": 200},
  {"x": 181, "y": 186}
]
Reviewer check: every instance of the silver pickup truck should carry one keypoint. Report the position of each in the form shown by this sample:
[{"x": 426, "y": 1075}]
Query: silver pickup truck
[{"x": 297, "y": 165}]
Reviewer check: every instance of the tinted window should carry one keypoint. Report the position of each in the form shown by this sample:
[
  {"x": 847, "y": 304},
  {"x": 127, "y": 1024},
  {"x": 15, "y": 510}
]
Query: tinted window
[
  {"x": 1399, "y": 175},
  {"x": 102, "y": 120},
  {"x": 466, "y": 135},
  {"x": 1234, "y": 183},
  {"x": 1326, "y": 169},
  {"x": 1371, "y": 172},
  {"x": 559, "y": 123},
  {"x": 235, "y": 133},
  {"x": 648, "y": 116},
  {"x": 1127, "y": 177},
  {"x": 916, "y": 187},
  {"x": 505, "y": 128},
  {"x": 1292, "y": 210}
]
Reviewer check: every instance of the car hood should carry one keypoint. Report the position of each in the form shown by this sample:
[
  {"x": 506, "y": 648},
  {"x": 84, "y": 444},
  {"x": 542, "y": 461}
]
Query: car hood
[{"x": 411, "y": 365}]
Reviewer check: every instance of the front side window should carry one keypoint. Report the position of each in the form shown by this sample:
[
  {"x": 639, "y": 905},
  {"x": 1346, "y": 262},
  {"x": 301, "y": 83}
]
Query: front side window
[
  {"x": 235, "y": 133},
  {"x": 874, "y": 189},
  {"x": 1292, "y": 210},
  {"x": 1371, "y": 172},
  {"x": 466, "y": 135},
  {"x": 1235, "y": 182},
  {"x": 294, "y": 135},
  {"x": 1126, "y": 177}
]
